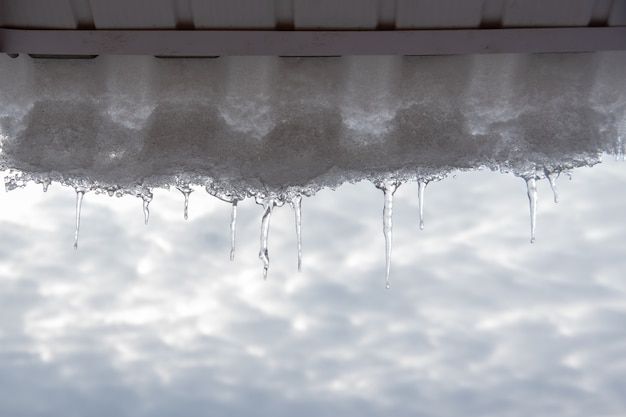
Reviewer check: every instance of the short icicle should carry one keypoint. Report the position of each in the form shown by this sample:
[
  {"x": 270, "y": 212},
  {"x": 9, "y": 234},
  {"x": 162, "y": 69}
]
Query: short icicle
[
  {"x": 389, "y": 188},
  {"x": 619, "y": 149},
  {"x": 45, "y": 184},
  {"x": 146, "y": 210},
  {"x": 531, "y": 188},
  {"x": 421, "y": 183},
  {"x": 296, "y": 205},
  {"x": 233, "y": 226},
  {"x": 186, "y": 190},
  {"x": 268, "y": 206},
  {"x": 551, "y": 176},
  {"x": 80, "y": 193}
]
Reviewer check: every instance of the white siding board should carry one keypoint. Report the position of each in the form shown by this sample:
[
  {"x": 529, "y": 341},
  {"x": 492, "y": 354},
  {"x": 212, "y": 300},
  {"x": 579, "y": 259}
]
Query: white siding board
[
  {"x": 618, "y": 13},
  {"x": 135, "y": 14},
  {"x": 547, "y": 13},
  {"x": 438, "y": 14},
  {"x": 37, "y": 14},
  {"x": 335, "y": 14},
  {"x": 234, "y": 14}
]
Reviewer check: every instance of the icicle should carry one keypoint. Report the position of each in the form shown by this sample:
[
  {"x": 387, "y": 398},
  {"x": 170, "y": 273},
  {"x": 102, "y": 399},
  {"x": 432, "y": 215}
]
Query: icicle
[
  {"x": 186, "y": 191},
  {"x": 233, "y": 200},
  {"x": 45, "y": 183},
  {"x": 233, "y": 225},
  {"x": 551, "y": 176},
  {"x": 420, "y": 197},
  {"x": 80, "y": 193},
  {"x": 146, "y": 210},
  {"x": 296, "y": 205},
  {"x": 619, "y": 149},
  {"x": 268, "y": 206},
  {"x": 531, "y": 188},
  {"x": 389, "y": 188}
]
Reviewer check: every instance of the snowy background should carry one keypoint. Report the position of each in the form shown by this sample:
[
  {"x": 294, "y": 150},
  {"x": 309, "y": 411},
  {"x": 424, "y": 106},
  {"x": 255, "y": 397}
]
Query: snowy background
[{"x": 155, "y": 320}]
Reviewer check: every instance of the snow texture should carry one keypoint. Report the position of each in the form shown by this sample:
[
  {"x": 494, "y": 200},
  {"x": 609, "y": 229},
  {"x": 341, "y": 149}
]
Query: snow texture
[{"x": 245, "y": 126}]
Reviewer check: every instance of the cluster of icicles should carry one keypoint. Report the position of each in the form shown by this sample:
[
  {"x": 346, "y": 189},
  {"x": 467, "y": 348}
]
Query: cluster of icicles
[{"x": 291, "y": 196}]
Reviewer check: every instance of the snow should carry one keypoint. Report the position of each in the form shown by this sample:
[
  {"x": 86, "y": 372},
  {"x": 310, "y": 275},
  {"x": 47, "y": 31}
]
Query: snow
[
  {"x": 253, "y": 125},
  {"x": 276, "y": 129}
]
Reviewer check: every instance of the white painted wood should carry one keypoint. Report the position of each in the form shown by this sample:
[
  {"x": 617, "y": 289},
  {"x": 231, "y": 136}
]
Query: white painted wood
[
  {"x": 547, "y": 13},
  {"x": 600, "y": 12},
  {"x": 310, "y": 43},
  {"x": 431, "y": 14},
  {"x": 492, "y": 13},
  {"x": 37, "y": 14},
  {"x": 234, "y": 14},
  {"x": 135, "y": 14},
  {"x": 284, "y": 14},
  {"x": 617, "y": 16},
  {"x": 387, "y": 14},
  {"x": 83, "y": 16},
  {"x": 183, "y": 14},
  {"x": 335, "y": 14}
]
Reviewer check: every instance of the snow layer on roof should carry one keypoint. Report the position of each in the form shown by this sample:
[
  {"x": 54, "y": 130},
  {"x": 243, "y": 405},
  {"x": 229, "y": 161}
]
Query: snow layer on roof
[{"x": 259, "y": 124}]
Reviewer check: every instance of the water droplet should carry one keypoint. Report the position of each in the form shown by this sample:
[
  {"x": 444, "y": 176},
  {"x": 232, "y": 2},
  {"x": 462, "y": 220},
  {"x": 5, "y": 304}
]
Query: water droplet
[
  {"x": 551, "y": 176},
  {"x": 268, "y": 205},
  {"x": 296, "y": 205},
  {"x": 233, "y": 225},
  {"x": 186, "y": 190},
  {"x": 421, "y": 183},
  {"x": 388, "y": 187},
  {"x": 531, "y": 188},
  {"x": 80, "y": 193}
]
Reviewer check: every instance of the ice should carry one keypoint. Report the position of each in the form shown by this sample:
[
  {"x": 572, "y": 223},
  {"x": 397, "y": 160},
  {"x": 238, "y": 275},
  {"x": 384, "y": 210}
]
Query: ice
[
  {"x": 146, "y": 199},
  {"x": 531, "y": 188},
  {"x": 552, "y": 177},
  {"x": 233, "y": 228},
  {"x": 186, "y": 190},
  {"x": 421, "y": 186},
  {"x": 233, "y": 198},
  {"x": 296, "y": 205},
  {"x": 388, "y": 187},
  {"x": 272, "y": 128},
  {"x": 80, "y": 193},
  {"x": 268, "y": 204}
]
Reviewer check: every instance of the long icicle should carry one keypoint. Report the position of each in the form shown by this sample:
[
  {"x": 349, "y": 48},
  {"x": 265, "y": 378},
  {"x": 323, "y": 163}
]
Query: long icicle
[
  {"x": 531, "y": 188},
  {"x": 80, "y": 193},
  {"x": 233, "y": 226},
  {"x": 389, "y": 188},
  {"x": 296, "y": 205},
  {"x": 268, "y": 206},
  {"x": 421, "y": 184}
]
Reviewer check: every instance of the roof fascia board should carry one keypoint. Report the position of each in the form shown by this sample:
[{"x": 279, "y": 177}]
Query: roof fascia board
[{"x": 310, "y": 43}]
